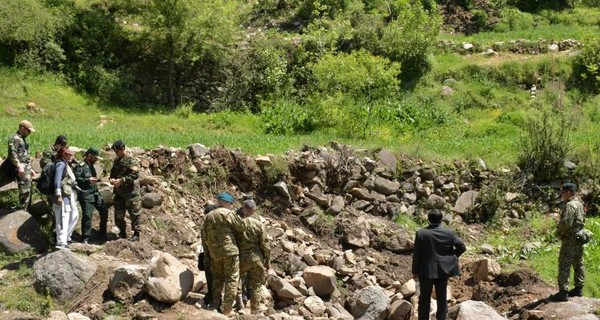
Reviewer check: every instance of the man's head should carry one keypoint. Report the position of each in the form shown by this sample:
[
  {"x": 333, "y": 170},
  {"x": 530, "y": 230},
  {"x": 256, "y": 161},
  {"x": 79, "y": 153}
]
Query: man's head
[
  {"x": 568, "y": 190},
  {"x": 92, "y": 155},
  {"x": 25, "y": 128},
  {"x": 434, "y": 216},
  {"x": 225, "y": 200},
  {"x": 61, "y": 141},
  {"x": 249, "y": 207},
  {"x": 66, "y": 154},
  {"x": 119, "y": 148}
]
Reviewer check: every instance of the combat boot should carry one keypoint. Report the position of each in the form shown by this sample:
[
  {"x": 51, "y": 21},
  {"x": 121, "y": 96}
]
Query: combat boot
[
  {"x": 136, "y": 236},
  {"x": 562, "y": 295},
  {"x": 576, "y": 292}
]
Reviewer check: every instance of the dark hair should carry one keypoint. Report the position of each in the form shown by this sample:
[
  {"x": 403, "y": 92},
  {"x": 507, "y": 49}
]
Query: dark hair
[
  {"x": 434, "y": 216},
  {"x": 61, "y": 140}
]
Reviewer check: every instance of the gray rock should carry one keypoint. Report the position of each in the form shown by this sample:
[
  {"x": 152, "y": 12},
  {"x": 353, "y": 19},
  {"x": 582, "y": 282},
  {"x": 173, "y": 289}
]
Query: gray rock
[
  {"x": 128, "y": 281},
  {"x": 370, "y": 303},
  {"x": 19, "y": 231},
  {"x": 435, "y": 202},
  {"x": 77, "y": 316},
  {"x": 486, "y": 270},
  {"x": 62, "y": 273},
  {"x": 467, "y": 46},
  {"x": 407, "y": 187},
  {"x": 170, "y": 280},
  {"x": 344, "y": 314},
  {"x": 337, "y": 204},
  {"x": 400, "y": 310},
  {"x": 283, "y": 190},
  {"x": 428, "y": 174},
  {"x": 151, "y": 200},
  {"x": 57, "y": 315},
  {"x": 315, "y": 305},
  {"x": 465, "y": 200},
  {"x": 321, "y": 278},
  {"x": 282, "y": 288},
  {"x": 575, "y": 309},
  {"x": 365, "y": 194},
  {"x": 410, "y": 197},
  {"x": 263, "y": 161},
  {"x": 385, "y": 186},
  {"x": 487, "y": 248},
  {"x": 388, "y": 161},
  {"x": 447, "y": 91},
  {"x": 553, "y": 47},
  {"x": 470, "y": 310},
  {"x": 197, "y": 150}
]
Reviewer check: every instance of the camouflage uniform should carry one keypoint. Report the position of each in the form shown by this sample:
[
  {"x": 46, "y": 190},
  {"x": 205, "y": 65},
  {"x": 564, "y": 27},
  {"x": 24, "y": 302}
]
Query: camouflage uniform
[
  {"x": 571, "y": 250},
  {"x": 89, "y": 198},
  {"x": 50, "y": 155},
  {"x": 18, "y": 154},
  {"x": 127, "y": 195},
  {"x": 219, "y": 235},
  {"x": 254, "y": 254}
]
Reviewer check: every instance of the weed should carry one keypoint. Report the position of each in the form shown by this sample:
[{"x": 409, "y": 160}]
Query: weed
[{"x": 279, "y": 170}]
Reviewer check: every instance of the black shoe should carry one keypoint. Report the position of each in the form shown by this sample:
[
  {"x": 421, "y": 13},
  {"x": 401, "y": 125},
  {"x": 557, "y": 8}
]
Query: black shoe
[
  {"x": 122, "y": 235},
  {"x": 136, "y": 236},
  {"x": 562, "y": 295},
  {"x": 576, "y": 292}
]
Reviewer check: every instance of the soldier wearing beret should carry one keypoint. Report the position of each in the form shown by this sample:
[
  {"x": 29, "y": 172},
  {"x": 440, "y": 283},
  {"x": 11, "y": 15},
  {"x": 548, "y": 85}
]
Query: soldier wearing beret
[
  {"x": 571, "y": 250},
  {"x": 124, "y": 178},
  {"x": 89, "y": 197}
]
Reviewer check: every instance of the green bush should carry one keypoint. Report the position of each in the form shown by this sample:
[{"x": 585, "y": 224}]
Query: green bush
[
  {"x": 512, "y": 19},
  {"x": 284, "y": 116},
  {"x": 586, "y": 68}
]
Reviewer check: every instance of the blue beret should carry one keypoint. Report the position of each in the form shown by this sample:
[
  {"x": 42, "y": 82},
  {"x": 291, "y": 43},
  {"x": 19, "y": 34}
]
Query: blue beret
[
  {"x": 224, "y": 196},
  {"x": 569, "y": 187}
]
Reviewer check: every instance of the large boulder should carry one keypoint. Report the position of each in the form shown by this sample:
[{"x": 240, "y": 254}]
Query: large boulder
[
  {"x": 435, "y": 202},
  {"x": 388, "y": 161},
  {"x": 19, "y": 231},
  {"x": 282, "y": 288},
  {"x": 365, "y": 194},
  {"x": 151, "y": 200},
  {"x": 486, "y": 270},
  {"x": 370, "y": 303},
  {"x": 128, "y": 281},
  {"x": 470, "y": 310},
  {"x": 321, "y": 279},
  {"x": 385, "y": 186},
  {"x": 197, "y": 150},
  {"x": 62, "y": 274},
  {"x": 465, "y": 200},
  {"x": 170, "y": 280},
  {"x": 400, "y": 310}
]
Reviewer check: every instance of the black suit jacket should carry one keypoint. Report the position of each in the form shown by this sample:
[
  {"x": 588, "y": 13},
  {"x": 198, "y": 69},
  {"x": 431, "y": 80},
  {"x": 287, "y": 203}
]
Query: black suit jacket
[{"x": 436, "y": 253}]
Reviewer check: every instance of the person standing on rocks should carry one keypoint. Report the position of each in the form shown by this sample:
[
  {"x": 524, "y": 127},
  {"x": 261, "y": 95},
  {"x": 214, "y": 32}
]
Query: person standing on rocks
[
  {"x": 204, "y": 262},
  {"x": 18, "y": 164},
  {"x": 571, "y": 250},
  {"x": 124, "y": 178},
  {"x": 219, "y": 234},
  {"x": 89, "y": 197},
  {"x": 255, "y": 253},
  {"x": 435, "y": 259},
  {"x": 64, "y": 205},
  {"x": 50, "y": 155}
]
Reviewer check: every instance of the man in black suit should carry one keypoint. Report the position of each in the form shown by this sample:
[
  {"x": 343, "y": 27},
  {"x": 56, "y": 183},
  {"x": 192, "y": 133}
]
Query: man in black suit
[{"x": 435, "y": 259}]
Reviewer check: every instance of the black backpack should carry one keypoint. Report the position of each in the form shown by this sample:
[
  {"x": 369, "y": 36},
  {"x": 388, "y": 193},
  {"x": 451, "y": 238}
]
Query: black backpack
[{"x": 45, "y": 183}]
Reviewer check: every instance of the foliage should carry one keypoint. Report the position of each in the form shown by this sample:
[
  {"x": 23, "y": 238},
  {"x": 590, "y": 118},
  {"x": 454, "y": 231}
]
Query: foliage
[
  {"x": 489, "y": 203},
  {"x": 513, "y": 19},
  {"x": 279, "y": 170},
  {"x": 544, "y": 147},
  {"x": 283, "y": 116},
  {"x": 532, "y": 6},
  {"x": 586, "y": 68}
]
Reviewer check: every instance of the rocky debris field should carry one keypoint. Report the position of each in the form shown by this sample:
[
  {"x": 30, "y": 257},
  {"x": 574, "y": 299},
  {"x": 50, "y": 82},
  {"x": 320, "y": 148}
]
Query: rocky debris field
[{"x": 337, "y": 250}]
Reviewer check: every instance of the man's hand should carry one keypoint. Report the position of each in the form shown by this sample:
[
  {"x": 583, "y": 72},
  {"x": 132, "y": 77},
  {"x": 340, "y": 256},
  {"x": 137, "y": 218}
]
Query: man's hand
[
  {"x": 116, "y": 182},
  {"x": 93, "y": 180},
  {"x": 58, "y": 200}
]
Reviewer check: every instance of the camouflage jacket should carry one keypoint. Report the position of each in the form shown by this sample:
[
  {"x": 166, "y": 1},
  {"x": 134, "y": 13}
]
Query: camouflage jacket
[
  {"x": 18, "y": 150},
  {"x": 571, "y": 221},
  {"x": 83, "y": 172},
  {"x": 254, "y": 240},
  {"x": 50, "y": 155},
  {"x": 219, "y": 232},
  {"x": 127, "y": 169}
]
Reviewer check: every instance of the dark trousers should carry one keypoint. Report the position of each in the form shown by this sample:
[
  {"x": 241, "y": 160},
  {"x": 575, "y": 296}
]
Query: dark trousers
[
  {"x": 426, "y": 286},
  {"x": 87, "y": 208}
]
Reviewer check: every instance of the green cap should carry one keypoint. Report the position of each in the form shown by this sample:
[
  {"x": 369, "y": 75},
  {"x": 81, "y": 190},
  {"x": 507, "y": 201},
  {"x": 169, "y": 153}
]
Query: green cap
[{"x": 94, "y": 152}]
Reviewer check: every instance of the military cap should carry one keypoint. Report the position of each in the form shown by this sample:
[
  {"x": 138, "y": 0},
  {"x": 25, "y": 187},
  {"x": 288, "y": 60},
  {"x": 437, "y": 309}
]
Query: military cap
[
  {"x": 27, "y": 125},
  {"x": 569, "y": 187},
  {"x": 224, "y": 196},
  {"x": 250, "y": 204},
  {"x": 118, "y": 145},
  {"x": 93, "y": 151}
]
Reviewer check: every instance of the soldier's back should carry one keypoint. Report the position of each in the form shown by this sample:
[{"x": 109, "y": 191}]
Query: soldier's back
[{"x": 220, "y": 237}]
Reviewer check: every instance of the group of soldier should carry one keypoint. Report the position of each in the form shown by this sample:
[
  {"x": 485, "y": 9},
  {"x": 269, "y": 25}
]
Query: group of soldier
[
  {"x": 236, "y": 254},
  {"x": 76, "y": 182}
]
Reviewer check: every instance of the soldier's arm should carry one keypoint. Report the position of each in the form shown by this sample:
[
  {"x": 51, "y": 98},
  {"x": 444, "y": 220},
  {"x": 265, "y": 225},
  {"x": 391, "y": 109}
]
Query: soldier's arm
[
  {"x": 565, "y": 222},
  {"x": 266, "y": 249},
  {"x": 236, "y": 222},
  {"x": 58, "y": 175},
  {"x": 133, "y": 173},
  {"x": 12, "y": 153},
  {"x": 578, "y": 219},
  {"x": 80, "y": 176}
]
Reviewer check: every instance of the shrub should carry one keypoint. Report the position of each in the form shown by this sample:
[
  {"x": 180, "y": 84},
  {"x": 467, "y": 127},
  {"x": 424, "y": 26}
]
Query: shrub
[
  {"x": 278, "y": 170},
  {"x": 586, "y": 68},
  {"x": 489, "y": 203},
  {"x": 544, "y": 147},
  {"x": 513, "y": 19},
  {"x": 282, "y": 115}
]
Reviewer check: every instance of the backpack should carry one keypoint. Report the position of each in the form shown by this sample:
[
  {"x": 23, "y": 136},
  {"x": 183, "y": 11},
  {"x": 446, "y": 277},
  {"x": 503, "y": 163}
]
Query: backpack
[{"x": 46, "y": 180}]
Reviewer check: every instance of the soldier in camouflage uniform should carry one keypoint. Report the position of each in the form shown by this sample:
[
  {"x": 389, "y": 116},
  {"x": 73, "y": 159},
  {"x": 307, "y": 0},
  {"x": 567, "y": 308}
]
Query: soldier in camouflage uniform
[
  {"x": 20, "y": 161},
  {"x": 255, "y": 254},
  {"x": 89, "y": 198},
  {"x": 219, "y": 235},
  {"x": 571, "y": 251},
  {"x": 50, "y": 155},
  {"x": 124, "y": 178}
]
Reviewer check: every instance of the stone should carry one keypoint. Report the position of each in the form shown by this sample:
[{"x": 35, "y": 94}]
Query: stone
[
  {"x": 487, "y": 248},
  {"x": 19, "y": 231},
  {"x": 57, "y": 315},
  {"x": 369, "y": 303},
  {"x": 410, "y": 197},
  {"x": 447, "y": 91},
  {"x": 408, "y": 288},
  {"x": 344, "y": 314},
  {"x": 469, "y": 310},
  {"x": 283, "y": 190},
  {"x": 428, "y": 174},
  {"x": 106, "y": 192},
  {"x": 400, "y": 310},
  {"x": 128, "y": 281},
  {"x": 170, "y": 280},
  {"x": 467, "y": 46},
  {"x": 62, "y": 274},
  {"x": 365, "y": 194},
  {"x": 321, "y": 278},
  {"x": 263, "y": 161},
  {"x": 151, "y": 200},
  {"x": 282, "y": 288},
  {"x": 486, "y": 270},
  {"x": 512, "y": 196},
  {"x": 77, "y": 316},
  {"x": 388, "y": 161},
  {"x": 315, "y": 305},
  {"x": 385, "y": 186},
  {"x": 337, "y": 205},
  {"x": 435, "y": 202},
  {"x": 553, "y": 47},
  {"x": 407, "y": 187},
  {"x": 465, "y": 200},
  {"x": 197, "y": 150}
]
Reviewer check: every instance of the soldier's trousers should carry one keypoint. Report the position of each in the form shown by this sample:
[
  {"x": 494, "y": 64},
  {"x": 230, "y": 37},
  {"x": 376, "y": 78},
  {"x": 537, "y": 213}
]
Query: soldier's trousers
[
  {"x": 133, "y": 206},
  {"x": 24, "y": 184},
  {"x": 225, "y": 271},
  {"x": 209, "y": 277},
  {"x": 87, "y": 209},
  {"x": 252, "y": 265},
  {"x": 571, "y": 254}
]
